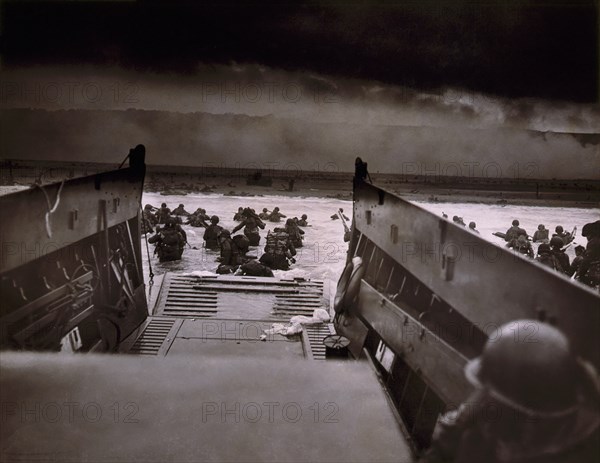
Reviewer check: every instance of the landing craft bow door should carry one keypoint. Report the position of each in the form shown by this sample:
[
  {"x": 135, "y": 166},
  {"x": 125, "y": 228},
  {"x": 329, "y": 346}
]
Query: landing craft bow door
[{"x": 70, "y": 273}]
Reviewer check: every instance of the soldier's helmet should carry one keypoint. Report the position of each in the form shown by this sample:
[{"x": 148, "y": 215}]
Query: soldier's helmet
[
  {"x": 304, "y": 217},
  {"x": 556, "y": 241},
  {"x": 214, "y": 219},
  {"x": 224, "y": 234},
  {"x": 472, "y": 225},
  {"x": 559, "y": 229},
  {"x": 527, "y": 365},
  {"x": 515, "y": 223},
  {"x": 265, "y": 209},
  {"x": 275, "y": 209},
  {"x": 148, "y": 207},
  {"x": 171, "y": 222},
  {"x": 591, "y": 230},
  {"x": 181, "y": 205},
  {"x": 541, "y": 227},
  {"x": 163, "y": 205}
]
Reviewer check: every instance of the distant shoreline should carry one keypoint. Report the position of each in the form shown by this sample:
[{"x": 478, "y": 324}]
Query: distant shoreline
[
  {"x": 324, "y": 188},
  {"x": 234, "y": 182}
]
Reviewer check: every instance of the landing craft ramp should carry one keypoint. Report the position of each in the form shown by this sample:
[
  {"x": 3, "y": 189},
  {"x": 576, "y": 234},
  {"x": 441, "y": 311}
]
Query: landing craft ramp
[
  {"x": 227, "y": 315},
  {"x": 221, "y": 395},
  {"x": 193, "y": 408},
  {"x": 239, "y": 296}
]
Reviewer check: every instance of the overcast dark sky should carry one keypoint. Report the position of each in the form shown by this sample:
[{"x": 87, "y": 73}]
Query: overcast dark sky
[{"x": 546, "y": 49}]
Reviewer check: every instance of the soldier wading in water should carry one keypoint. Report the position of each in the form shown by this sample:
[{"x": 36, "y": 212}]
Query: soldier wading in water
[
  {"x": 279, "y": 251},
  {"x": 170, "y": 241}
]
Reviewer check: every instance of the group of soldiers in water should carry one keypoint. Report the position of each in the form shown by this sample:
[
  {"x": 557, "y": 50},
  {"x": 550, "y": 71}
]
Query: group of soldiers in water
[
  {"x": 281, "y": 243},
  {"x": 459, "y": 221},
  {"x": 585, "y": 267},
  {"x": 544, "y": 398}
]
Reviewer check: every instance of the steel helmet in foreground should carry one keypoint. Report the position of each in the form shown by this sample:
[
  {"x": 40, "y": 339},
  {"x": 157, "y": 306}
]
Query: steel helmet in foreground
[{"x": 528, "y": 366}]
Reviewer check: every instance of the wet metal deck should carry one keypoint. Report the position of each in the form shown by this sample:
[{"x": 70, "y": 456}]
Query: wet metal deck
[
  {"x": 233, "y": 297},
  {"x": 194, "y": 408},
  {"x": 226, "y": 316}
]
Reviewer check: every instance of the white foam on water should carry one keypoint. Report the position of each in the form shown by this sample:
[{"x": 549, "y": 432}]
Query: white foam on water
[
  {"x": 322, "y": 257},
  {"x": 324, "y": 252},
  {"x": 492, "y": 218}
]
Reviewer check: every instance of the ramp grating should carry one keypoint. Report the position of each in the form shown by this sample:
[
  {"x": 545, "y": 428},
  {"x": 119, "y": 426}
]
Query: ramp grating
[
  {"x": 303, "y": 302},
  {"x": 182, "y": 300},
  {"x": 153, "y": 337},
  {"x": 190, "y": 296},
  {"x": 315, "y": 334}
]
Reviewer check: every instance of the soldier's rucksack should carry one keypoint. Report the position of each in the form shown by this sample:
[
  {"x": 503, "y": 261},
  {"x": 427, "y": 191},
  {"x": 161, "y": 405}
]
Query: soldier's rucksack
[
  {"x": 224, "y": 269},
  {"x": 592, "y": 276},
  {"x": 277, "y": 242},
  {"x": 256, "y": 269},
  {"x": 242, "y": 243},
  {"x": 550, "y": 261},
  {"x": 196, "y": 221},
  {"x": 212, "y": 232},
  {"x": 172, "y": 237}
]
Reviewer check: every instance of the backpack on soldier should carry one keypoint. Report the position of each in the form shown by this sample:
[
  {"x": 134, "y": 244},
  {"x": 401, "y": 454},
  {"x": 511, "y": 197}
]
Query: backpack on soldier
[
  {"x": 550, "y": 261},
  {"x": 256, "y": 269},
  {"x": 172, "y": 237},
  {"x": 274, "y": 239},
  {"x": 592, "y": 276}
]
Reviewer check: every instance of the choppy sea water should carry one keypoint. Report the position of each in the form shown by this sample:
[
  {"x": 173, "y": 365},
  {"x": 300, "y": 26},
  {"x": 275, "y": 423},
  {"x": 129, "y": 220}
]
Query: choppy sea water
[
  {"x": 324, "y": 252},
  {"x": 322, "y": 256},
  {"x": 492, "y": 218}
]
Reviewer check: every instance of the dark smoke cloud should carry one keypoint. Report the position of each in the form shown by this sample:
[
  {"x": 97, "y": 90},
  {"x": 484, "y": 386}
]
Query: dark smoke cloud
[
  {"x": 257, "y": 90},
  {"x": 214, "y": 116},
  {"x": 509, "y": 48},
  {"x": 199, "y": 139}
]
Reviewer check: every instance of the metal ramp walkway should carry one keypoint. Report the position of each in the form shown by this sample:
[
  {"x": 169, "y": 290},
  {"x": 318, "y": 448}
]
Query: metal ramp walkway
[
  {"x": 222, "y": 314},
  {"x": 313, "y": 339},
  {"x": 239, "y": 297}
]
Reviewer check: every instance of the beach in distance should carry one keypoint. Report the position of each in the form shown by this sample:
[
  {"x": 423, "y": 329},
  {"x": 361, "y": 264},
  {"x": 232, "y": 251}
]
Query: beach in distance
[
  {"x": 518, "y": 188},
  {"x": 491, "y": 203}
]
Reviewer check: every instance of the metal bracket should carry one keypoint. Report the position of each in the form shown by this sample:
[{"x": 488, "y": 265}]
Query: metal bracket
[
  {"x": 443, "y": 228},
  {"x": 448, "y": 261},
  {"x": 73, "y": 219},
  {"x": 394, "y": 233}
]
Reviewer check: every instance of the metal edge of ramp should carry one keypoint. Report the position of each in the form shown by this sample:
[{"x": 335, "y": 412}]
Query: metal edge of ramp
[
  {"x": 165, "y": 415},
  {"x": 180, "y": 297},
  {"x": 312, "y": 340}
]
